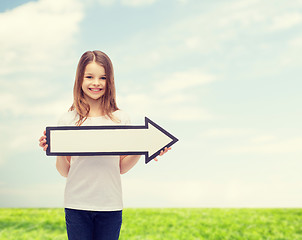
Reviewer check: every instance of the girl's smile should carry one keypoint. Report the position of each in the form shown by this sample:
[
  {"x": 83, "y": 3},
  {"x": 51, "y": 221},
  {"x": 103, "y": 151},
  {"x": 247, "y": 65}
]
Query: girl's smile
[{"x": 95, "y": 90}]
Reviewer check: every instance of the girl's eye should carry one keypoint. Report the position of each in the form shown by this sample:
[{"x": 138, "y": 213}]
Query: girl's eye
[
  {"x": 103, "y": 78},
  {"x": 88, "y": 77}
]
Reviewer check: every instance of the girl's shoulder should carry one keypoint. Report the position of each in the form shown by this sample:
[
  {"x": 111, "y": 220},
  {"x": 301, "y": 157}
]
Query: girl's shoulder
[
  {"x": 68, "y": 118},
  {"x": 122, "y": 116}
]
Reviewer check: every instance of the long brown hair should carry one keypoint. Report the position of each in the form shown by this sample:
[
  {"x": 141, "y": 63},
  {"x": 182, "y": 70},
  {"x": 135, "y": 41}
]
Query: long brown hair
[{"x": 108, "y": 100}]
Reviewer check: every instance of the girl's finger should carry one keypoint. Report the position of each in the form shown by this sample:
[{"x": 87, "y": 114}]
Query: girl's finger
[
  {"x": 167, "y": 149},
  {"x": 41, "y": 138},
  {"x": 162, "y": 152}
]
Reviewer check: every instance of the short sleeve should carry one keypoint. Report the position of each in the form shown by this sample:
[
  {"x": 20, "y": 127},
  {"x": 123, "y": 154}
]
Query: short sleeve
[
  {"x": 127, "y": 120},
  {"x": 123, "y": 117},
  {"x": 68, "y": 119}
]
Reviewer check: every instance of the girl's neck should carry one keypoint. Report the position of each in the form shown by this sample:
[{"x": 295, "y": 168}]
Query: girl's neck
[{"x": 95, "y": 109}]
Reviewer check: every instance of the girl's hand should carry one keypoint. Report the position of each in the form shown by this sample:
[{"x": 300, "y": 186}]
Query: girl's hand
[
  {"x": 43, "y": 142},
  {"x": 162, "y": 152}
]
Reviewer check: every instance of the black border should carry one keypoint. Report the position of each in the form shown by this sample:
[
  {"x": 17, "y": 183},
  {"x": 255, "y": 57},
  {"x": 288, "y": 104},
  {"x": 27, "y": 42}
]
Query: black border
[{"x": 147, "y": 157}]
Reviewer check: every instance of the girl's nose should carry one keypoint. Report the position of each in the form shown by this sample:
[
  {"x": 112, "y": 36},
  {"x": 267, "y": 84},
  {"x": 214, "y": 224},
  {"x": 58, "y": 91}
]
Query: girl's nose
[{"x": 96, "y": 81}]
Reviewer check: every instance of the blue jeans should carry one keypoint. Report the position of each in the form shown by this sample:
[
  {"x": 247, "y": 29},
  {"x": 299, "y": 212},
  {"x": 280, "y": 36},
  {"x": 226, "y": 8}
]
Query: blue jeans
[{"x": 93, "y": 225}]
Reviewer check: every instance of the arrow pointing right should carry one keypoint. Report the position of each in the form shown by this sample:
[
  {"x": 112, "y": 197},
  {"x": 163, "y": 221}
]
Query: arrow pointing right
[
  {"x": 146, "y": 140},
  {"x": 157, "y": 139}
]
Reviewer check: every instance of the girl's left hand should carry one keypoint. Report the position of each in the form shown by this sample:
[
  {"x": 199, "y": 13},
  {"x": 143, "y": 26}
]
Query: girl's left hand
[{"x": 162, "y": 152}]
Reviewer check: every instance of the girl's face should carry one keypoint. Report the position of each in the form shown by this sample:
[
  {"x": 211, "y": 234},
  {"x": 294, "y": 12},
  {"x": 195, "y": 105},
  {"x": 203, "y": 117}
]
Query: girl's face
[{"x": 94, "y": 81}]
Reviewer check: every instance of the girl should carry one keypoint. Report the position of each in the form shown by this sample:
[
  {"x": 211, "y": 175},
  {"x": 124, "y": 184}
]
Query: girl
[{"x": 93, "y": 194}]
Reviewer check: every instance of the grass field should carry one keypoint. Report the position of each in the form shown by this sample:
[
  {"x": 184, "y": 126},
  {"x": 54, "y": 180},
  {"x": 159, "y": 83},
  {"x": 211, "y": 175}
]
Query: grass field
[{"x": 183, "y": 224}]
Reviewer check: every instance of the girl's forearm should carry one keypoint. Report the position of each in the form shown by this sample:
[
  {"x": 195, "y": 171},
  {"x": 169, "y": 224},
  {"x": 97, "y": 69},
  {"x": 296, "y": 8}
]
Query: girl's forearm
[
  {"x": 63, "y": 165},
  {"x": 128, "y": 162}
]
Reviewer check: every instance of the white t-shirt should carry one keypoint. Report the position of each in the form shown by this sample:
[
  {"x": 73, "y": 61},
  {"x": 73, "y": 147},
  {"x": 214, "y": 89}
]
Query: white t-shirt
[{"x": 94, "y": 182}]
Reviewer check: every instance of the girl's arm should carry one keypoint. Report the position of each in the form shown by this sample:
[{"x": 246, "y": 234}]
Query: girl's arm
[
  {"x": 63, "y": 165},
  {"x": 63, "y": 162},
  {"x": 128, "y": 162}
]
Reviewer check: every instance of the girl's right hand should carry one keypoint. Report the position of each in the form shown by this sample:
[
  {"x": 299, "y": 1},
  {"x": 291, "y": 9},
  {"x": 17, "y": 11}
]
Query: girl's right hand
[{"x": 43, "y": 142}]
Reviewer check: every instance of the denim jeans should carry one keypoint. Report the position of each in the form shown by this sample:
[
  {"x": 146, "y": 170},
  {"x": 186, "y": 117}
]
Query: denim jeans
[{"x": 93, "y": 225}]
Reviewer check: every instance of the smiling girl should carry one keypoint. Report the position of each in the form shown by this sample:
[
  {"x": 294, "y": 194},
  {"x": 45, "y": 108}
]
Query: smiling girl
[{"x": 93, "y": 193}]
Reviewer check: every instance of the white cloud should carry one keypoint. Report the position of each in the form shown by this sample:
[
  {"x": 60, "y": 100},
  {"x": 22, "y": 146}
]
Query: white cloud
[
  {"x": 137, "y": 3},
  {"x": 35, "y": 195},
  {"x": 154, "y": 106},
  {"x": 227, "y": 132},
  {"x": 286, "y": 21},
  {"x": 106, "y": 2},
  {"x": 36, "y": 34},
  {"x": 181, "y": 81},
  {"x": 291, "y": 58},
  {"x": 296, "y": 42},
  {"x": 264, "y": 139},
  {"x": 267, "y": 146},
  {"x": 189, "y": 113},
  {"x": 234, "y": 192},
  {"x": 266, "y": 15},
  {"x": 204, "y": 34},
  {"x": 170, "y": 97},
  {"x": 129, "y": 3},
  {"x": 199, "y": 33},
  {"x": 253, "y": 144},
  {"x": 157, "y": 193},
  {"x": 14, "y": 105},
  {"x": 253, "y": 141},
  {"x": 193, "y": 42},
  {"x": 183, "y": 1}
]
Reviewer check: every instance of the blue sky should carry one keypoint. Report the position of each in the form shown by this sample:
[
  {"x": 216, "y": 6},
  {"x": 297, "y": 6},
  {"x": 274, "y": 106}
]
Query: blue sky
[{"x": 222, "y": 76}]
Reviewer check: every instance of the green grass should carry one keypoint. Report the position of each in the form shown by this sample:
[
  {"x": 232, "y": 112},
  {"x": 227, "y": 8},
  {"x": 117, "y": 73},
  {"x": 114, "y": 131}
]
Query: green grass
[{"x": 176, "y": 224}]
